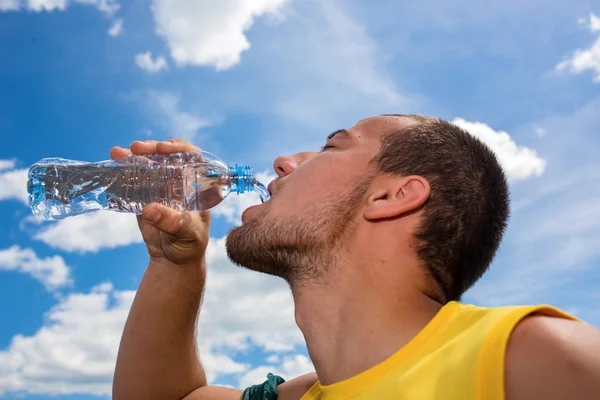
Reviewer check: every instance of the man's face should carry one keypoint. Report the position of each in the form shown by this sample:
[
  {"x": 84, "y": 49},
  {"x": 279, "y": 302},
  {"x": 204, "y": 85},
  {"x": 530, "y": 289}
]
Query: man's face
[{"x": 316, "y": 203}]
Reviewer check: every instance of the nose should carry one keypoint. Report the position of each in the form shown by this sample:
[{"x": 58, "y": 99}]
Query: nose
[{"x": 284, "y": 165}]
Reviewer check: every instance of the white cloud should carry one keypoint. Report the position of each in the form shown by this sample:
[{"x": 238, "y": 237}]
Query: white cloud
[
  {"x": 235, "y": 302},
  {"x": 13, "y": 183},
  {"x": 75, "y": 351},
  {"x": 51, "y": 271},
  {"x": 552, "y": 237},
  {"x": 594, "y": 23},
  {"x": 164, "y": 107},
  {"x": 46, "y": 5},
  {"x": 585, "y": 59},
  {"x": 9, "y": 5},
  {"x": 116, "y": 28},
  {"x": 91, "y": 232},
  {"x": 273, "y": 359},
  {"x": 206, "y": 32},
  {"x": 107, "y": 7},
  {"x": 519, "y": 162},
  {"x": 234, "y": 205},
  {"x": 291, "y": 367},
  {"x": 145, "y": 62},
  {"x": 7, "y": 164}
]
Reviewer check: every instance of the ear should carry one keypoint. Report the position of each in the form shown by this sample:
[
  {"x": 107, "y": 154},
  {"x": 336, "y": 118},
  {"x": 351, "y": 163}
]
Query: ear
[{"x": 396, "y": 196}]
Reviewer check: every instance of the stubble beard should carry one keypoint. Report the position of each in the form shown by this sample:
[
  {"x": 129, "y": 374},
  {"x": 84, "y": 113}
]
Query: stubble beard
[{"x": 299, "y": 249}]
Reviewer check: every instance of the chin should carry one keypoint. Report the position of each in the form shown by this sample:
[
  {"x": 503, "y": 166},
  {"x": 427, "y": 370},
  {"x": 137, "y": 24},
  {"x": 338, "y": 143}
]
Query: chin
[{"x": 253, "y": 212}]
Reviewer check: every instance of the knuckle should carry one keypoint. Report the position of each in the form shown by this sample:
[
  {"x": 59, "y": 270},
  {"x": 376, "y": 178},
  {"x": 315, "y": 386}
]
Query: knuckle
[{"x": 184, "y": 144}]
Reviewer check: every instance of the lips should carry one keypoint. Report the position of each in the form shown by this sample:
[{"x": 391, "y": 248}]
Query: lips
[
  {"x": 252, "y": 211},
  {"x": 271, "y": 187}
]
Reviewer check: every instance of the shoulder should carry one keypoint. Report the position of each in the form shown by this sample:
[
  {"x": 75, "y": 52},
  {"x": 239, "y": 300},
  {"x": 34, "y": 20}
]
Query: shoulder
[{"x": 552, "y": 358}]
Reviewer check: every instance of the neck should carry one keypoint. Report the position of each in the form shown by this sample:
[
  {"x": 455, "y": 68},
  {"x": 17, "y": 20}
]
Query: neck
[{"x": 358, "y": 321}]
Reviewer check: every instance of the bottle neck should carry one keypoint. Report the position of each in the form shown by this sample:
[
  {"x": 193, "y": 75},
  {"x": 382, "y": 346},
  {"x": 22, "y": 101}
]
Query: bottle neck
[{"x": 241, "y": 179}]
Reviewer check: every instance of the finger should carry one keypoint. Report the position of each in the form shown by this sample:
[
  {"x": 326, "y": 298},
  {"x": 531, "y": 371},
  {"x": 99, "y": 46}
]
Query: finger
[
  {"x": 117, "y": 153},
  {"x": 145, "y": 147},
  {"x": 175, "y": 146},
  {"x": 167, "y": 220}
]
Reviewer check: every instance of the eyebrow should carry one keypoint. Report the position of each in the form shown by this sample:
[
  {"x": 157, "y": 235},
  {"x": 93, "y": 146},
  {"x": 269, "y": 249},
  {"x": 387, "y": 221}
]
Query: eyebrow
[{"x": 342, "y": 132}]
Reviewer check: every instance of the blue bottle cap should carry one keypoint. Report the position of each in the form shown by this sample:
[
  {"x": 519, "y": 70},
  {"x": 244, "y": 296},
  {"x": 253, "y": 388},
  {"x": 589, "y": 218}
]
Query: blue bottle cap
[{"x": 242, "y": 178}]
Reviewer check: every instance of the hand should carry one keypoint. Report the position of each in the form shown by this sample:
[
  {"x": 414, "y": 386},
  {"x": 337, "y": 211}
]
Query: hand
[{"x": 179, "y": 238}]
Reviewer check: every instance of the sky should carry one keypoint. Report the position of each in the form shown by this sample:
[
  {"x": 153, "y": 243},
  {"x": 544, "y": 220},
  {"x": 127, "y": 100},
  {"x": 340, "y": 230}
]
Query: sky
[{"x": 250, "y": 81}]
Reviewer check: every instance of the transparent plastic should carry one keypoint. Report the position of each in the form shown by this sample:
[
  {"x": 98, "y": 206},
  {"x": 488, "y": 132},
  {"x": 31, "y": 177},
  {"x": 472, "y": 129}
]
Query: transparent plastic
[{"x": 60, "y": 188}]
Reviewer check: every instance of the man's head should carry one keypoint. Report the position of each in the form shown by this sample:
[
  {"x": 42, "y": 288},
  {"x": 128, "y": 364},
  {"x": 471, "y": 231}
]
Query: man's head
[{"x": 422, "y": 182}]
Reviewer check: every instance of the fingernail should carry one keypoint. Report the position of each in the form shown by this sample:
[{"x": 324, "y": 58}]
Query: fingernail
[
  {"x": 153, "y": 216},
  {"x": 167, "y": 142}
]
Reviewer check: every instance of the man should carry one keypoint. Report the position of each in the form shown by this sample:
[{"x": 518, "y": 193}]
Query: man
[{"x": 378, "y": 235}]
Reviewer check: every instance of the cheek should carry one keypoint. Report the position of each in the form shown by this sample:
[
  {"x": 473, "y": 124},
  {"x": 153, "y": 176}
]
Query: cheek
[{"x": 309, "y": 189}]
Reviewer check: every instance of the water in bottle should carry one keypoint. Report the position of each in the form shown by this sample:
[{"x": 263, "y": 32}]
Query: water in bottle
[{"x": 198, "y": 180}]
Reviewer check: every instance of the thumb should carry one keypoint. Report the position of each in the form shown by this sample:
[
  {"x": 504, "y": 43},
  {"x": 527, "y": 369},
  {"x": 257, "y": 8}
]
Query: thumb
[{"x": 167, "y": 220}]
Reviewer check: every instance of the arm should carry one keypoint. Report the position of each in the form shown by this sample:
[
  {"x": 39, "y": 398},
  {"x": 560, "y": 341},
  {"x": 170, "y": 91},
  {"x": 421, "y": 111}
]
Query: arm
[
  {"x": 157, "y": 357},
  {"x": 552, "y": 358}
]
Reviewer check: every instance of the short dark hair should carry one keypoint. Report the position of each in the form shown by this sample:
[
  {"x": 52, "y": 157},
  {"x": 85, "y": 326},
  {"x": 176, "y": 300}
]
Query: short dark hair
[{"x": 464, "y": 219}]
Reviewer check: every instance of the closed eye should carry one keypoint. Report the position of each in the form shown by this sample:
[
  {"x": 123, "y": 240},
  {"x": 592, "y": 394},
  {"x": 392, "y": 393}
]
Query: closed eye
[{"x": 326, "y": 147}]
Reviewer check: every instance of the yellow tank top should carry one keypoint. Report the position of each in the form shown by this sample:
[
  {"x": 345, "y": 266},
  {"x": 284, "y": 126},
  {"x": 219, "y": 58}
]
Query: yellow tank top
[{"x": 458, "y": 355}]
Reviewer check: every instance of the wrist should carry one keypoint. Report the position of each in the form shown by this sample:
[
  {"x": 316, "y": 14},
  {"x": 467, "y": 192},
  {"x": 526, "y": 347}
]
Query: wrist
[
  {"x": 193, "y": 271},
  {"x": 187, "y": 265}
]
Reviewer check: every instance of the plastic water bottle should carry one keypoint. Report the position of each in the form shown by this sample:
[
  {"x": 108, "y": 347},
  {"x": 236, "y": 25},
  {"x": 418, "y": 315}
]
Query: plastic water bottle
[{"x": 60, "y": 188}]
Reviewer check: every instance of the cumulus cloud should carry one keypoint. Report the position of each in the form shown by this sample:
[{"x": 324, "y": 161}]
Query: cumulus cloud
[
  {"x": 594, "y": 22},
  {"x": 519, "y": 162},
  {"x": 209, "y": 33},
  {"x": 13, "y": 182},
  {"x": 7, "y": 164},
  {"x": 75, "y": 350},
  {"x": 107, "y": 7},
  {"x": 91, "y": 232},
  {"x": 9, "y": 5},
  {"x": 116, "y": 28},
  {"x": 588, "y": 58},
  {"x": 46, "y": 5},
  {"x": 235, "y": 302},
  {"x": 53, "y": 272},
  {"x": 147, "y": 63}
]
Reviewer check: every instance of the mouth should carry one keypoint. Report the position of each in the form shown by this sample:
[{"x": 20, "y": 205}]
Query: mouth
[
  {"x": 270, "y": 188},
  {"x": 268, "y": 192},
  {"x": 252, "y": 211}
]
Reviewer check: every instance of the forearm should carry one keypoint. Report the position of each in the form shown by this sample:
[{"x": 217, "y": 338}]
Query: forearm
[{"x": 157, "y": 356}]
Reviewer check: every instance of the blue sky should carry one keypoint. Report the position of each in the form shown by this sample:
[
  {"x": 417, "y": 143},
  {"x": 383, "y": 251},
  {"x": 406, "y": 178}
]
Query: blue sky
[{"x": 251, "y": 82}]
